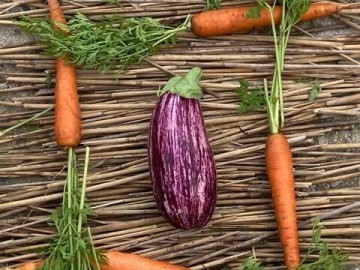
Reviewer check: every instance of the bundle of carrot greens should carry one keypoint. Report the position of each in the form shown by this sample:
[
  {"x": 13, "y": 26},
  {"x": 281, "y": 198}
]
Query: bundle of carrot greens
[{"x": 112, "y": 42}]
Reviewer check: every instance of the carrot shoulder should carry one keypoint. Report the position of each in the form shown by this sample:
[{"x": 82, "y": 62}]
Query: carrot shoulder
[
  {"x": 280, "y": 174},
  {"x": 232, "y": 20},
  {"x": 67, "y": 110}
]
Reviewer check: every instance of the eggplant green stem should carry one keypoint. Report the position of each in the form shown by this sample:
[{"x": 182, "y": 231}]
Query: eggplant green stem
[{"x": 186, "y": 87}]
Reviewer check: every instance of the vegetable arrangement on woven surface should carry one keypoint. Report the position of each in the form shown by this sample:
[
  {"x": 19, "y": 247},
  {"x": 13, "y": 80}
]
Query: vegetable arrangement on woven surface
[{"x": 115, "y": 42}]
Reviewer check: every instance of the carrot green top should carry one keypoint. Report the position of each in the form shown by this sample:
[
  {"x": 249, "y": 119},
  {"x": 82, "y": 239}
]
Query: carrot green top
[{"x": 291, "y": 13}]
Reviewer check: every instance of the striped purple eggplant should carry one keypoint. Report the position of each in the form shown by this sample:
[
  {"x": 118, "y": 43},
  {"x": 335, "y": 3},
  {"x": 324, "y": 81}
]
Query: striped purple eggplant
[{"x": 181, "y": 162}]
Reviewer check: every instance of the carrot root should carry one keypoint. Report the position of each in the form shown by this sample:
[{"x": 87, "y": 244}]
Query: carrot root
[
  {"x": 67, "y": 109},
  {"x": 232, "y": 20},
  {"x": 280, "y": 174},
  {"x": 124, "y": 261}
]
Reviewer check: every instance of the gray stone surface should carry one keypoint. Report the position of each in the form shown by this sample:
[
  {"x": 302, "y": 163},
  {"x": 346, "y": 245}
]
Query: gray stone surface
[{"x": 12, "y": 36}]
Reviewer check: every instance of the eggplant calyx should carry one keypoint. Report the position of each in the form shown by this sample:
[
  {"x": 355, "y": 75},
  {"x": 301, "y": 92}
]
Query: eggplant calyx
[{"x": 187, "y": 87}]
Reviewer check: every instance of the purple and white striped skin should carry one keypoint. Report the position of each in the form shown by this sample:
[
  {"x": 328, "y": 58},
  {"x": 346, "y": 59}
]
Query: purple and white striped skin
[{"x": 181, "y": 162}]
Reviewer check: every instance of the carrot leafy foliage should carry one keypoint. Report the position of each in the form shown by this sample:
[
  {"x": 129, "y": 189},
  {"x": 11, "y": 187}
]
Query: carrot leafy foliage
[
  {"x": 251, "y": 264},
  {"x": 315, "y": 90},
  {"x": 292, "y": 10},
  {"x": 249, "y": 100},
  {"x": 212, "y": 4},
  {"x": 327, "y": 259},
  {"x": 73, "y": 247},
  {"x": 112, "y": 42}
]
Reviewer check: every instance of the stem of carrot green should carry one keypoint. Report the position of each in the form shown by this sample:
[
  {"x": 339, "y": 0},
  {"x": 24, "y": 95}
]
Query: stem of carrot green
[
  {"x": 173, "y": 32},
  {"x": 281, "y": 34},
  {"x": 272, "y": 125},
  {"x": 281, "y": 99},
  {"x": 281, "y": 104},
  {"x": 282, "y": 46},
  {"x": 83, "y": 190},
  {"x": 280, "y": 58},
  {"x": 69, "y": 198},
  {"x": 276, "y": 84},
  {"x": 275, "y": 97},
  {"x": 82, "y": 199},
  {"x": 274, "y": 32},
  {"x": 283, "y": 27},
  {"x": 93, "y": 249}
]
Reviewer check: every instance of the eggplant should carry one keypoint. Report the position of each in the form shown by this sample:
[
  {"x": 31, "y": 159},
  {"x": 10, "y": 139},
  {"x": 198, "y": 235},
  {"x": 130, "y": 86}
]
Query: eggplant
[{"x": 181, "y": 161}]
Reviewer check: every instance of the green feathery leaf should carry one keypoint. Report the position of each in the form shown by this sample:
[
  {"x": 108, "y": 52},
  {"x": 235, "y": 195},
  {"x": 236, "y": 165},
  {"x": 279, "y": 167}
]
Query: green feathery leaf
[
  {"x": 254, "y": 12},
  {"x": 212, "y": 4},
  {"x": 113, "y": 42},
  {"x": 327, "y": 259},
  {"x": 315, "y": 90},
  {"x": 72, "y": 248},
  {"x": 251, "y": 264},
  {"x": 249, "y": 100}
]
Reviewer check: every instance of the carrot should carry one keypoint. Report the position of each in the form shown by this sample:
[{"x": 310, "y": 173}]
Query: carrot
[
  {"x": 278, "y": 158},
  {"x": 232, "y": 20},
  {"x": 67, "y": 110},
  {"x": 280, "y": 174},
  {"x": 121, "y": 261}
]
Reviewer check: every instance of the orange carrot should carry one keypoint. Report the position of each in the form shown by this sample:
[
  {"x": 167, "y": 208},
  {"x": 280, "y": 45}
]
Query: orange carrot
[
  {"x": 232, "y": 20},
  {"x": 67, "y": 110},
  {"x": 121, "y": 261},
  {"x": 280, "y": 174}
]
